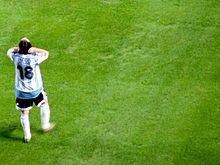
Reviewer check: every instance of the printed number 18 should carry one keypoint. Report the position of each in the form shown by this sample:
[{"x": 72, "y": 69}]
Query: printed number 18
[{"x": 28, "y": 72}]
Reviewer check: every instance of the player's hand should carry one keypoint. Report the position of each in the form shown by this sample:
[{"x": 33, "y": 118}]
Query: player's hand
[
  {"x": 16, "y": 49},
  {"x": 31, "y": 50}
]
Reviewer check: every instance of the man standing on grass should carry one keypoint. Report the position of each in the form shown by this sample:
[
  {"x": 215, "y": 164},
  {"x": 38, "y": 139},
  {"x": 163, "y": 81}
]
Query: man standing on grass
[{"x": 29, "y": 85}]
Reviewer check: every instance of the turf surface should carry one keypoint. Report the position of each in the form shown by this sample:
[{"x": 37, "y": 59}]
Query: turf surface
[{"x": 129, "y": 81}]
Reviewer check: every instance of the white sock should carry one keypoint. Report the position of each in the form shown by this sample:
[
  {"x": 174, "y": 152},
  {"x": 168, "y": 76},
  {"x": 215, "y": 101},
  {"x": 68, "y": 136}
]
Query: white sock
[
  {"x": 45, "y": 116},
  {"x": 26, "y": 125}
]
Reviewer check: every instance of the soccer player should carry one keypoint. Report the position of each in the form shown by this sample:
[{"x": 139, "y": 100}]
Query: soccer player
[{"x": 29, "y": 85}]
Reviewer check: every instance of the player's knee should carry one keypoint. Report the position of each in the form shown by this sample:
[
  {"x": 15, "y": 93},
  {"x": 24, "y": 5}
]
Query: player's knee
[
  {"x": 44, "y": 104},
  {"x": 26, "y": 112}
]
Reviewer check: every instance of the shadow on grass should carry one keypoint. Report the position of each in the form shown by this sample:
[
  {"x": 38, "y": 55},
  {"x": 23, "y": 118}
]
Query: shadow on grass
[
  {"x": 6, "y": 132},
  {"x": 36, "y": 130}
]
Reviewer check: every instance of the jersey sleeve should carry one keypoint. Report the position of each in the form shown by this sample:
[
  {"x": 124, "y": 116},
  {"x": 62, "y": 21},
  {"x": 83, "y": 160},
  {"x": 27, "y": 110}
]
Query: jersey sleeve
[
  {"x": 41, "y": 56},
  {"x": 11, "y": 53}
]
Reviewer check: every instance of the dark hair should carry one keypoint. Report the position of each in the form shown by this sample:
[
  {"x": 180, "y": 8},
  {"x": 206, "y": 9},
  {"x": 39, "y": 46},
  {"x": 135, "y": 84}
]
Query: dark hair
[{"x": 24, "y": 46}]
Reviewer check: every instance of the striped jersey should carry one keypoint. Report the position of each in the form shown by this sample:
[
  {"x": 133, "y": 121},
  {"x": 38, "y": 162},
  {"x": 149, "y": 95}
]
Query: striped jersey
[{"x": 28, "y": 80}]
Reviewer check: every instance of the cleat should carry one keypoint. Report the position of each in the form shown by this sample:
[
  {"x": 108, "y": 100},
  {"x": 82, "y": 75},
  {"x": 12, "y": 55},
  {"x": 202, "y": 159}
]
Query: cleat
[
  {"x": 26, "y": 140},
  {"x": 52, "y": 125}
]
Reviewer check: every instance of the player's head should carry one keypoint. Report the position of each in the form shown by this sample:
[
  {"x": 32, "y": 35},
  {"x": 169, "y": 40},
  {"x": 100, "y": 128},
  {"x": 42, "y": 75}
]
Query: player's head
[{"x": 24, "y": 46}]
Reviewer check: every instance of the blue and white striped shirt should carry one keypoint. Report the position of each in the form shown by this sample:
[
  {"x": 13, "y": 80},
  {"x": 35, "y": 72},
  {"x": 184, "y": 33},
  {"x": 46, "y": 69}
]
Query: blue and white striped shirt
[{"x": 28, "y": 80}]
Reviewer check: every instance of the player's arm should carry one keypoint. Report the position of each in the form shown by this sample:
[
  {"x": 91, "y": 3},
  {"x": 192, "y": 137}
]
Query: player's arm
[
  {"x": 14, "y": 49},
  {"x": 37, "y": 50},
  {"x": 41, "y": 54},
  {"x": 11, "y": 51}
]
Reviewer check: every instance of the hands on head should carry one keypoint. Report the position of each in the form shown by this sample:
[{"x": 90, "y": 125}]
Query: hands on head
[
  {"x": 31, "y": 50},
  {"x": 25, "y": 39}
]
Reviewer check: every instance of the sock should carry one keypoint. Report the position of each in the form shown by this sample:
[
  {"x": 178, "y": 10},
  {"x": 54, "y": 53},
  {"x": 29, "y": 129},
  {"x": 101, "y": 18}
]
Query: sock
[
  {"x": 45, "y": 116},
  {"x": 26, "y": 125}
]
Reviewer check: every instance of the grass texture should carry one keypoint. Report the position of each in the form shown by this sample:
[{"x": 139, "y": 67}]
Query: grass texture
[{"x": 128, "y": 81}]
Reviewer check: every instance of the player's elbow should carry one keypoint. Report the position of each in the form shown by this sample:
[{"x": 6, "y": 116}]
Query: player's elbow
[
  {"x": 47, "y": 53},
  {"x": 9, "y": 52}
]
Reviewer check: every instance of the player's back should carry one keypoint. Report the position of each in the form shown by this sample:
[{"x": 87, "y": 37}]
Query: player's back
[
  {"x": 28, "y": 80},
  {"x": 28, "y": 77}
]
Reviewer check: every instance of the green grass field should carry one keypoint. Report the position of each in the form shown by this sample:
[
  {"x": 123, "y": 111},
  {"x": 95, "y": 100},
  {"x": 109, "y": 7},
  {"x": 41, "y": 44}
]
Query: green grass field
[{"x": 128, "y": 81}]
